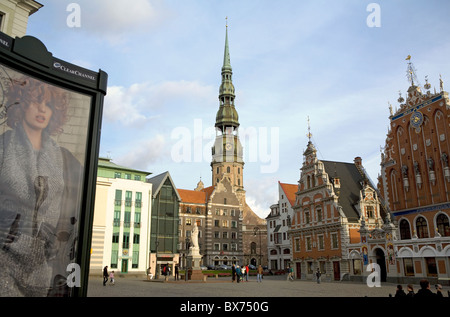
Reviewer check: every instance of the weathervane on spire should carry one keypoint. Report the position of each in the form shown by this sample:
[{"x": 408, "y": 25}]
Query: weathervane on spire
[
  {"x": 226, "y": 22},
  {"x": 309, "y": 135},
  {"x": 411, "y": 72}
]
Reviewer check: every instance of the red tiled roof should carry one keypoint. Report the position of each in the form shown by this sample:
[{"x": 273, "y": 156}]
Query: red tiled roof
[
  {"x": 289, "y": 190},
  {"x": 192, "y": 196}
]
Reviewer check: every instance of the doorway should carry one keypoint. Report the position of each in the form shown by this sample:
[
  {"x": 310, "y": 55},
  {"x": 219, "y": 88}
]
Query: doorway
[
  {"x": 381, "y": 261},
  {"x": 124, "y": 266},
  {"x": 337, "y": 270}
]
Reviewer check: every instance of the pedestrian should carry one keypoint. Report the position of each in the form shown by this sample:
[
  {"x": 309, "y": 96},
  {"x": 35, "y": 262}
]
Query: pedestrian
[
  {"x": 410, "y": 289},
  {"x": 149, "y": 273},
  {"x": 318, "y": 276},
  {"x": 259, "y": 273},
  {"x": 424, "y": 290},
  {"x": 243, "y": 272},
  {"x": 399, "y": 292},
  {"x": 176, "y": 272},
  {"x": 233, "y": 273},
  {"x": 238, "y": 274},
  {"x": 105, "y": 275},
  {"x": 111, "y": 278},
  {"x": 439, "y": 290},
  {"x": 246, "y": 273},
  {"x": 291, "y": 273}
]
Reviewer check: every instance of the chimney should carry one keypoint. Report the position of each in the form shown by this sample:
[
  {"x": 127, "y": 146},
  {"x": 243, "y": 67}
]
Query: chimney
[{"x": 358, "y": 161}]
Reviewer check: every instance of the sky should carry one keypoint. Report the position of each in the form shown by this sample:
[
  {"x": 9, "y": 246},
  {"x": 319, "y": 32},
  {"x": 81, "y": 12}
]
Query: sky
[{"x": 330, "y": 66}]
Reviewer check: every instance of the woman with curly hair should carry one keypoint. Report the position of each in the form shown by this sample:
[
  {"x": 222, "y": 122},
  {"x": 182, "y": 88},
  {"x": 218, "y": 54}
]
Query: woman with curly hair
[{"x": 39, "y": 183}]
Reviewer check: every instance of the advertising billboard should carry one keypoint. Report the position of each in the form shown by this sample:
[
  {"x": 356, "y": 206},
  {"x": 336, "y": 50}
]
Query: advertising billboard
[{"x": 50, "y": 118}]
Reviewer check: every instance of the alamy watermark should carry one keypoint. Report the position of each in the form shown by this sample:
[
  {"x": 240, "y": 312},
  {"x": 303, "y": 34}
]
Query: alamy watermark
[
  {"x": 74, "y": 17},
  {"x": 374, "y": 278},
  {"x": 374, "y": 18},
  {"x": 260, "y": 145}
]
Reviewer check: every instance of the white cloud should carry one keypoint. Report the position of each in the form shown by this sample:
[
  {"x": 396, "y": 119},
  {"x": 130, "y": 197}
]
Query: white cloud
[
  {"x": 145, "y": 153},
  {"x": 113, "y": 20},
  {"x": 132, "y": 105}
]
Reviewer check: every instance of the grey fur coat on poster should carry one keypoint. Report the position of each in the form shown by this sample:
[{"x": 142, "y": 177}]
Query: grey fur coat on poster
[{"x": 38, "y": 203}]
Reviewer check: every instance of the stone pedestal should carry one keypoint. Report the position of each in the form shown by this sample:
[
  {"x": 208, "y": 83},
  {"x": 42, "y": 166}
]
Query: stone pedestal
[{"x": 194, "y": 262}]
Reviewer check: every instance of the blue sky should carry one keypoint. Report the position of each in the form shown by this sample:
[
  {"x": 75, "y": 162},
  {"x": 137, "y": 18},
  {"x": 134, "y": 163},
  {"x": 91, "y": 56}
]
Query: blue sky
[{"x": 291, "y": 60}]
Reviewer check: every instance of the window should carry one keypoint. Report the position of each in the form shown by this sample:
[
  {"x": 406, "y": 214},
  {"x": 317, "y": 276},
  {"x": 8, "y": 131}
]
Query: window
[
  {"x": 233, "y": 224},
  {"x": 233, "y": 235},
  {"x": 319, "y": 214},
  {"x": 334, "y": 241},
  {"x": 307, "y": 216},
  {"x": 308, "y": 244},
  {"x": 188, "y": 221},
  {"x": 216, "y": 223},
  {"x": 370, "y": 212},
  {"x": 216, "y": 234},
  {"x": 442, "y": 225},
  {"x": 137, "y": 177},
  {"x": 225, "y": 235},
  {"x": 138, "y": 202},
  {"x": 126, "y": 240},
  {"x": 297, "y": 244},
  {"x": 216, "y": 246},
  {"x": 118, "y": 198},
  {"x": 321, "y": 242},
  {"x": 136, "y": 238},
  {"x": 421, "y": 227},
  {"x": 137, "y": 219},
  {"x": 135, "y": 260},
  {"x": 115, "y": 237},
  {"x": 357, "y": 267},
  {"x": 405, "y": 232},
  {"x": 408, "y": 266},
  {"x": 228, "y": 169},
  {"x": 117, "y": 175},
  {"x": 127, "y": 176},
  {"x": 431, "y": 266},
  {"x": 128, "y": 197}
]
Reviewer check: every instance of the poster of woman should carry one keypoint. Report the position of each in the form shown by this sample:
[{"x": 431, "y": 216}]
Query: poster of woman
[{"x": 43, "y": 142}]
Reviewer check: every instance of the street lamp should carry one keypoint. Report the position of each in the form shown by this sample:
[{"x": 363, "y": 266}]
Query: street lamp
[
  {"x": 157, "y": 268},
  {"x": 185, "y": 264},
  {"x": 258, "y": 230}
]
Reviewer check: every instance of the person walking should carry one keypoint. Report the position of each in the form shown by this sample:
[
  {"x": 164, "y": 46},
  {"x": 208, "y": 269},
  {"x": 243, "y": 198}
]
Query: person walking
[
  {"x": 424, "y": 290},
  {"x": 410, "y": 290},
  {"x": 259, "y": 273},
  {"x": 176, "y": 272},
  {"x": 243, "y": 272},
  {"x": 246, "y": 273},
  {"x": 399, "y": 292},
  {"x": 111, "y": 278},
  {"x": 291, "y": 273},
  {"x": 105, "y": 275},
  {"x": 233, "y": 273},
  {"x": 318, "y": 276},
  {"x": 238, "y": 274}
]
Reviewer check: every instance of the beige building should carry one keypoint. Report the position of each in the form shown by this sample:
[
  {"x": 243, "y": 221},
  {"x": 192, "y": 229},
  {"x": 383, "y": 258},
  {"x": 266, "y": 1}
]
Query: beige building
[
  {"x": 14, "y": 16},
  {"x": 121, "y": 227}
]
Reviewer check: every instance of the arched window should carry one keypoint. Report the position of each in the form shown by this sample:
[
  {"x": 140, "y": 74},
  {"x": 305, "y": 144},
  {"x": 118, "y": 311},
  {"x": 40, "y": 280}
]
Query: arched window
[
  {"x": 442, "y": 225},
  {"x": 253, "y": 248},
  {"x": 405, "y": 232},
  {"x": 422, "y": 228},
  {"x": 228, "y": 169}
]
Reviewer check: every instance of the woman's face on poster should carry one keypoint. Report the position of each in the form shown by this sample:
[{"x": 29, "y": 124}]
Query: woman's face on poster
[{"x": 37, "y": 115}]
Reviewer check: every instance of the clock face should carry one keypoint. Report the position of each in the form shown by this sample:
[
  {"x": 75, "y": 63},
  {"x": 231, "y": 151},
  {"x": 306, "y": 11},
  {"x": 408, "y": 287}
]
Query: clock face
[
  {"x": 228, "y": 146},
  {"x": 416, "y": 120}
]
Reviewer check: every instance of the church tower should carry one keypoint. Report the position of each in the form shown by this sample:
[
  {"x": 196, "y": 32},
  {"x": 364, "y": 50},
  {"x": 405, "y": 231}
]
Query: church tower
[{"x": 227, "y": 157}]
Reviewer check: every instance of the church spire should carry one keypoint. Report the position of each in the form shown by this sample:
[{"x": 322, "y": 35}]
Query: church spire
[
  {"x": 227, "y": 115},
  {"x": 226, "y": 55}
]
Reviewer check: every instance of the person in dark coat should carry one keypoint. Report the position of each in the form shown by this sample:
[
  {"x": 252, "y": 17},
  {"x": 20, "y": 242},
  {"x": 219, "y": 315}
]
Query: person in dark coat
[{"x": 424, "y": 290}]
